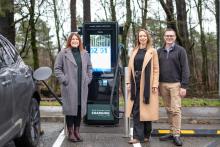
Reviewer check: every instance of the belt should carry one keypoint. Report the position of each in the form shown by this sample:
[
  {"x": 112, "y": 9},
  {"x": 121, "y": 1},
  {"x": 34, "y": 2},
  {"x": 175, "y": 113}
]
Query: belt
[{"x": 137, "y": 73}]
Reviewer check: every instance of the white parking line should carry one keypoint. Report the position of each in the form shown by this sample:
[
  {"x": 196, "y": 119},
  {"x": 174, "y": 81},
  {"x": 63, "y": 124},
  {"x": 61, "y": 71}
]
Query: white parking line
[
  {"x": 131, "y": 134},
  {"x": 61, "y": 137},
  {"x": 59, "y": 140}
]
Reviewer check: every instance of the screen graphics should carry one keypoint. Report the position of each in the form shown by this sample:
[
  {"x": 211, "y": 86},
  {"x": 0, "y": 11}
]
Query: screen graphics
[{"x": 100, "y": 52}]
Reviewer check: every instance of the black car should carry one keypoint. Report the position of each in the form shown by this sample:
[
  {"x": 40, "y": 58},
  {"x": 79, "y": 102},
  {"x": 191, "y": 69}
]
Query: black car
[{"x": 19, "y": 99}]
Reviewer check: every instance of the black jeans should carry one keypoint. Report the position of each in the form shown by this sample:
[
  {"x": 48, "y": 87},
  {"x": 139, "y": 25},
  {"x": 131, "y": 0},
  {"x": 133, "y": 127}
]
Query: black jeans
[
  {"x": 74, "y": 120},
  {"x": 141, "y": 129}
]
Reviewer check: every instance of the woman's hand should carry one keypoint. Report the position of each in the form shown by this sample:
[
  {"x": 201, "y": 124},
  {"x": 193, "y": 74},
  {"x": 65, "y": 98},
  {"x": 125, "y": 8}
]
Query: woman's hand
[
  {"x": 154, "y": 89},
  {"x": 128, "y": 85}
]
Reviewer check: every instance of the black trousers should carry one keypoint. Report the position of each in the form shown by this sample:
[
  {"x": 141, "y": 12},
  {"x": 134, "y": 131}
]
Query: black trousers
[
  {"x": 74, "y": 120},
  {"x": 141, "y": 129}
]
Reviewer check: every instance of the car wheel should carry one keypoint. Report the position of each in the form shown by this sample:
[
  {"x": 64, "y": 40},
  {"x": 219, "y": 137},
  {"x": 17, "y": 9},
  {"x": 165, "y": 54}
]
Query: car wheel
[{"x": 31, "y": 135}]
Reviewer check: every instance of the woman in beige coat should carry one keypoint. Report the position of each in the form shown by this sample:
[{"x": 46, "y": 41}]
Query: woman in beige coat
[
  {"x": 74, "y": 71},
  {"x": 142, "y": 86}
]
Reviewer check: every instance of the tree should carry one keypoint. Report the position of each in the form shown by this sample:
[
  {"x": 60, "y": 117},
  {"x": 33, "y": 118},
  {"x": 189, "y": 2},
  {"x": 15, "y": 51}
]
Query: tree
[
  {"x": 143, "y": 7},
  {"x": 113, "y": 13},
  {"x": 171, "y": 22},
  {"x": 7, "y": 27},
  {"x": 73, "y": 15},
  {"x": 43, "y": 40},
  {"x": 57, "y": 25},
  {"x": 194, "y": 69},
  {"x": 182, "y": 23},
  {"x": 86, "y": 11},
  {"x": 184, "y": 34},
  {"x": 217, "y": 7},
  {"x": 169, "y": 10},
  {"x": 104, "y": 5},
  {"x": 205, "y": 76},
  {"x": 32, "y": 14},
  {"x": 4, "y": 7},
  {"x": 127, "y": 24},
  {"x": 33, "y": 34}
]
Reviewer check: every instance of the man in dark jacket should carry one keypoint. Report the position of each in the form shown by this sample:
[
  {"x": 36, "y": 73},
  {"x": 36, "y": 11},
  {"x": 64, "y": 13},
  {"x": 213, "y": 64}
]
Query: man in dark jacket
[{"x": 173, "y": 78}]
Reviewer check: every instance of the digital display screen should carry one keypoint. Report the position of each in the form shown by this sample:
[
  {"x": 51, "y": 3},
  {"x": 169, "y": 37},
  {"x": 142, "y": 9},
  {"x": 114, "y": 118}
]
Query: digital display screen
[{"x": 100, "y": 52}]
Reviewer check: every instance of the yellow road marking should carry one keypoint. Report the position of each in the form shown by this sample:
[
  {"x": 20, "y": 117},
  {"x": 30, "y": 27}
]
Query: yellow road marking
[
  {"x": 182, "y": 131},
  {"x": 187, "y": 132},
  {"x": 164, "y": 131}
]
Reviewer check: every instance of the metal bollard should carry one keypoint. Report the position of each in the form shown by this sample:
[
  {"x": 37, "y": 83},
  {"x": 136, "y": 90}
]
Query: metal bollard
[{"x": 126, "y": 119}]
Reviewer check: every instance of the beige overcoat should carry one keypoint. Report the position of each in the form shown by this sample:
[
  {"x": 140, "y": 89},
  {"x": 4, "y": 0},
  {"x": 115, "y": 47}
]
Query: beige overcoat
[{"x": 148, "y": 112}]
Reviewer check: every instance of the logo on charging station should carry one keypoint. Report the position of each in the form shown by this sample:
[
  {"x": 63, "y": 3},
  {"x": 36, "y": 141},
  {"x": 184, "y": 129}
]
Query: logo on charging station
[{"x": 99, "y": 112}]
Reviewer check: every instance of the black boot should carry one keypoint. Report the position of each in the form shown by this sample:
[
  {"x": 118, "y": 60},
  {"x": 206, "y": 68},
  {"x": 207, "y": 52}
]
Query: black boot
[
  {"x": 177, "y": 141},
  {"x": 76, "y": 133},
  {"x": 166, "y": 137}
]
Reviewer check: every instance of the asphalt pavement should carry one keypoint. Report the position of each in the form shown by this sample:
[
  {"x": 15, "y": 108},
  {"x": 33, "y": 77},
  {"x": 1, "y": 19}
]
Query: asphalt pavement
[{"x": 196, "y": 121}]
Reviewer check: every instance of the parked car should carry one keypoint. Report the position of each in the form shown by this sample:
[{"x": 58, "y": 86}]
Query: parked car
[{"x": 19, "y": 99}]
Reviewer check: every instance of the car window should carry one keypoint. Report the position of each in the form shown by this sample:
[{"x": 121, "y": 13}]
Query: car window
[
  {"x": 5, "y": 59},
  {"x": 1, "y": 56},
  {"x": 8, "y": 55}
]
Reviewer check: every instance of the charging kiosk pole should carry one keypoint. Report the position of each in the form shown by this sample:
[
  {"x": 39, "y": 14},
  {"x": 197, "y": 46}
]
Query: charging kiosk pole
[{"x": 100, "y": 39}]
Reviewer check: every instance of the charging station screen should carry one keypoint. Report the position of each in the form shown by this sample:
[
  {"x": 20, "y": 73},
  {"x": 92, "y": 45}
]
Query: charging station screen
[{"x": 100, "y": 52}]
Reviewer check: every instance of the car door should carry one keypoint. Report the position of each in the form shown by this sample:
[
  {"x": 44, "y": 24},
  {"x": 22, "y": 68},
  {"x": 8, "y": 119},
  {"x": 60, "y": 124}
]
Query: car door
[
  {"x": 6, "y": 96},
  {"x": 22, "y": 83}
]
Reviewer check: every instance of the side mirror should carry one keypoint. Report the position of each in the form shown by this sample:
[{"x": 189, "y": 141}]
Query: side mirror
[{"x": 42, "y": 73}]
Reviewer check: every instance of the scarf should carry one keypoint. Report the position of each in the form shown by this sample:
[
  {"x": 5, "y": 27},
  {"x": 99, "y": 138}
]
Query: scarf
[{"x": 147, "y": 88}]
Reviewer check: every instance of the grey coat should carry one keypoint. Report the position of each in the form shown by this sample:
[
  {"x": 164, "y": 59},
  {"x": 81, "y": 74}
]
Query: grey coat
[{"x": 65, "y": 69}]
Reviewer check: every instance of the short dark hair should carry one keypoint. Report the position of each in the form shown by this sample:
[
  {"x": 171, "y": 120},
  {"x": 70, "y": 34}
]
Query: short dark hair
[{"x": 169, "y": 29}]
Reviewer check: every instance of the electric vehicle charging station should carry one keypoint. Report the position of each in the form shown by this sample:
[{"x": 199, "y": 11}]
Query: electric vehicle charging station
[{"x": 100, "y": 39}]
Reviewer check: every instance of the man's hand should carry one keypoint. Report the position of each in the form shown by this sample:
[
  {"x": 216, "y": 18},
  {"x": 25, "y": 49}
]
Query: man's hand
[{"x": 182, "y": 92}]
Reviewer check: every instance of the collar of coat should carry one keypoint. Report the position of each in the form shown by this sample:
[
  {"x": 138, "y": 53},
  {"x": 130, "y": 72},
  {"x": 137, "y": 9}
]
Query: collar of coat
[
  {"x": 69, "y": 55},
  {"x": 147, "y": 57}
]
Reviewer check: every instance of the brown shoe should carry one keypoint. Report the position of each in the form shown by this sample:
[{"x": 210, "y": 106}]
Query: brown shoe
[
  {"x": 133, "y": 141},
  {"x": 146, "y": 139}
]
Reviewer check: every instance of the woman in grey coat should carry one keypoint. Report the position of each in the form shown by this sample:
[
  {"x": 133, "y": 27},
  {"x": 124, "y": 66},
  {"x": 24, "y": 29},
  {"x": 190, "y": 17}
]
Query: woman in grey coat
[{"x": 74, "y": 71}]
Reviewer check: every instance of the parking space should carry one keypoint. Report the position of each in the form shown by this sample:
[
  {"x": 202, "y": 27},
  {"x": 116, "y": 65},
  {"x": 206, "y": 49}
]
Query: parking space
[
  {"x": 106, "y": 136},
  {"x": 113, "y": 136}
]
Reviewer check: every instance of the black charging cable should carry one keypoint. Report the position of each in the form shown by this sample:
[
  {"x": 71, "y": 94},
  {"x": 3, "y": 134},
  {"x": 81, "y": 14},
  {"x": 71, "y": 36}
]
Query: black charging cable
[{"x": 117, "y": 73}]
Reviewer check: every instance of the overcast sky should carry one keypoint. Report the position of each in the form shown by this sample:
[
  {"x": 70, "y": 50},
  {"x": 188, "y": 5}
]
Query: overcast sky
[{"x": 97, "y": 12}]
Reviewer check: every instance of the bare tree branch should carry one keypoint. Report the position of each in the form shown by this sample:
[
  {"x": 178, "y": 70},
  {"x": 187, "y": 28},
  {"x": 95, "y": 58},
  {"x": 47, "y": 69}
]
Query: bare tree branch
[{"x": 21, "y": 19}]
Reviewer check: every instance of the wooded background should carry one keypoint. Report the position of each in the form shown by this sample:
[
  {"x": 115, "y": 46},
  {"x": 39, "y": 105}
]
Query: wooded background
[{"x": 38, "y": 28}]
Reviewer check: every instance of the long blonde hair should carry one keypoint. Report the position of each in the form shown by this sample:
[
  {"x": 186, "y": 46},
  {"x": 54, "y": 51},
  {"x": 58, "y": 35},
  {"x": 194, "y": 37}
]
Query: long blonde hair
[{"x": 149, "y": 40}]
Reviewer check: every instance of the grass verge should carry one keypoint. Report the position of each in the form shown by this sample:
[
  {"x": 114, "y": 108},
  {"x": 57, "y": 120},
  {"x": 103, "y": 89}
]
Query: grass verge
[{"x": 186, "y": 102}]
